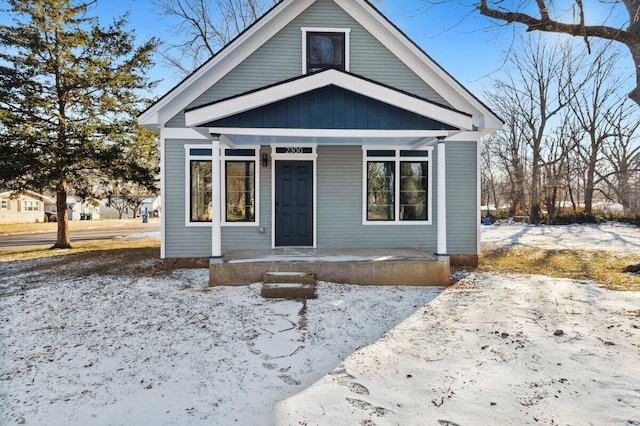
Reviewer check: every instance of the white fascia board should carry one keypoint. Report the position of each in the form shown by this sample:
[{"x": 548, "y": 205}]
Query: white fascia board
[
  {"x": 332, "y": 133},
  {"x": 430, "y": 72},
  {"x": 184, "y": 133},
  {"x": 226, "y": 60},
  {"x": 273, "y": 94}
]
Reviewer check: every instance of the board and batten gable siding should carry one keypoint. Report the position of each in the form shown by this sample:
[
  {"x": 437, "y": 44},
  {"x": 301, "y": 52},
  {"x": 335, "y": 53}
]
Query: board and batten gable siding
[{"x": 280, "y": 58}]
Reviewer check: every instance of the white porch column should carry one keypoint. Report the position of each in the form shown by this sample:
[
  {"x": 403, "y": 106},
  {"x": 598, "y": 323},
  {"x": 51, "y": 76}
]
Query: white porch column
[
  {"x": 216, "y": 199},
  {"x": 442, "y": 200}
]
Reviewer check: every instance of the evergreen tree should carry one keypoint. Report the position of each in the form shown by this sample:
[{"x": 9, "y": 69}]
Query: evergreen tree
[{"x": 70, "y": 89}]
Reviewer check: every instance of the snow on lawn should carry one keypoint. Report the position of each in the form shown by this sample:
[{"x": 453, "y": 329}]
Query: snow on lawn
[
  {"x": 107, "y": 350},
  {"x": 492, "y": 349},
  {"x": 607, "y": 237}
]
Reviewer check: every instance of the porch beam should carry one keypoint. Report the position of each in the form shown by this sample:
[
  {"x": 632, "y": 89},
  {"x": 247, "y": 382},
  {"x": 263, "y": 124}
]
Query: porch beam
[
  {"x": 216, "y": 200},
  {"x": 227, "y": 142},
  {"x": 442, "y": 200}
]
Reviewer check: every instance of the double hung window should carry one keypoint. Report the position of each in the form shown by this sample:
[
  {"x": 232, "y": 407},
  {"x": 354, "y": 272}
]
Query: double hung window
[{"x": 397, "y": 186}]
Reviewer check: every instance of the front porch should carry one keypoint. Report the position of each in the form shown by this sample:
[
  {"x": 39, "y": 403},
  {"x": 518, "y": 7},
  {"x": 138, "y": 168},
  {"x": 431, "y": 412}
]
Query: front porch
[{"x": 354, "y": 266}]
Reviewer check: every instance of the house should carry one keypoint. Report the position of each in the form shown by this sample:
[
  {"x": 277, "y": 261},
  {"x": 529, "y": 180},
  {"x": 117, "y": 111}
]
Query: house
[
  {"x": 24, "y": 207},
  {"x": 321, "y": 134},
  {"x": 150, "y": 206},
  {"x": 83, "y": 209}
]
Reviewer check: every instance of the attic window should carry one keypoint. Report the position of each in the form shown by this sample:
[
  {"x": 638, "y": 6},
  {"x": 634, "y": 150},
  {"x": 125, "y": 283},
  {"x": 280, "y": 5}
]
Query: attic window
[{"x": 325, "y": 48}]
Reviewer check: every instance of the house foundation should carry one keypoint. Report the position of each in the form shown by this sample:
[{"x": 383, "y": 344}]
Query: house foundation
[{"x": 359, "y": 267}]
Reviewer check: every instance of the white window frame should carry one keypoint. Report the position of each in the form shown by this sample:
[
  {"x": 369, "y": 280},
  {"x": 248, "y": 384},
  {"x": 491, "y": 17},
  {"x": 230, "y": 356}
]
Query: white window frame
[
  {"x": 294, "y": 156},
  {"x": 397, "y": 159},
  {"x": 222, "y": 202},
  {"x": 4, "y": 204},
  {"x": 305, "y": 30},
  {"x": 256, "y": 186},
  {"x": 29, "y": 206},
  {"x": 188, "y": 157}
]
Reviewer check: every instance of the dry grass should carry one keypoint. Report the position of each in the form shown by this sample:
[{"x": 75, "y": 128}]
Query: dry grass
[
  {"x": 139, "y": 257},
  {"x": 601, "y": 267}
]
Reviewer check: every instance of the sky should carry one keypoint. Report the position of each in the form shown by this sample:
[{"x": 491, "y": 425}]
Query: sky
[
  {"x": 466, "y": 51},
  {"x": 470, "y": 48}
]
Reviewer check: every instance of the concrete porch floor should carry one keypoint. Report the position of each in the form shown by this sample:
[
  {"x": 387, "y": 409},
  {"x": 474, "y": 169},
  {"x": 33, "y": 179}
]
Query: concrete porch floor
[{"x": 350, "y": 266}]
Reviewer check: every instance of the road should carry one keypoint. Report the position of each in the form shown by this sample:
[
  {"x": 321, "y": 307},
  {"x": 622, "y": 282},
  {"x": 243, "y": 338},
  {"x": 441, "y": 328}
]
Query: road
[{"x": 29, "y": 240}]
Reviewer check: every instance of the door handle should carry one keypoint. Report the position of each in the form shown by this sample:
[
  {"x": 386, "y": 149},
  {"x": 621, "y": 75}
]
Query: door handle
[{"x": 277, "y": 207}]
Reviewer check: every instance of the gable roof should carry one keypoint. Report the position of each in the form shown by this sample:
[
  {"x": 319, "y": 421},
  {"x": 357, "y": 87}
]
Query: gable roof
[
  {"x": 182, "y": 95},
  {"x": 207, "y": 113}
]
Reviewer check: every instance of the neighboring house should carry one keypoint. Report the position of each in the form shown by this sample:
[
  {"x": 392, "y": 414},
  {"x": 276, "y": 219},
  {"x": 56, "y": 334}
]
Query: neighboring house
[
  {"x": 150, "y": 206},
  {"x": 26, "y": 207},
  {"x": 79, "y": 209},
  {"x": 321, "y": 126}
]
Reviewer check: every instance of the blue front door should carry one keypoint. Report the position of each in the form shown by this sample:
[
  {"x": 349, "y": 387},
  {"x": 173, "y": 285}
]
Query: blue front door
[{"x": 294, "y": 203}]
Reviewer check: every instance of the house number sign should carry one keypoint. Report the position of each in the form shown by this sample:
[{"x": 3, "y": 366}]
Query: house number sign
[{"x": 293, "y": 150}]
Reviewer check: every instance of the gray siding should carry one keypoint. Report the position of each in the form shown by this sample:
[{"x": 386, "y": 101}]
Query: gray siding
[
  {"x": 195, "y": 241},
  {"x": 462, "y": 197},
  {"x": 339, "y": 221},
  {"x": 249, "y": 237},
  {"x": 340, "y": 207},
  {"x": 180, "y": 241},
  {"x": 340, "y": 204},
  {"x": 281, "y": 58}
]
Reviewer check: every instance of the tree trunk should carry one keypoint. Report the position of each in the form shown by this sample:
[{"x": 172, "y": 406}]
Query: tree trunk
[
  {"x": 590, "y": 184},
  {"x": 634, "y": 47},
  {"x": 535, "y": 184},
  {"x": 63, "y": 241}
]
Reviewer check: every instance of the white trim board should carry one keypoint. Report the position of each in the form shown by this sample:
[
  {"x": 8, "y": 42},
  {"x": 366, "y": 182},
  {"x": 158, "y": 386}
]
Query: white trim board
[
  {"x": 281, "y": 15},
  {"x": 269, "y": 95},
  {"x": 313, "y": 157},
  {"x": 222, "y": 63},
  {"x": 347, "y": 49}
]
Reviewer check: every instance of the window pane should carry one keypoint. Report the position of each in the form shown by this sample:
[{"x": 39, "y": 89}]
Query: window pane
[
  {"x": 201, "y": 191},
  {"x": 325, "y": 50},
  {"x": 240, "y": 188},
  {"x": 413, "y": 190},
  {"x": 380, "y": 190}
]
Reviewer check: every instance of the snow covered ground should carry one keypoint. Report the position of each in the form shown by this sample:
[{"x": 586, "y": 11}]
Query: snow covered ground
[
  {"x": 607, "y": 237},
  {"x": 493, "y": 349},
  {"x": 109, "y": 350}
]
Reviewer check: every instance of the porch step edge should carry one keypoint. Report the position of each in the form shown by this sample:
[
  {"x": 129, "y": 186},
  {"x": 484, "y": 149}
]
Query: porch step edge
[
  {"x": 289, "y": 277},
  {"x": 288, "y": 291}
]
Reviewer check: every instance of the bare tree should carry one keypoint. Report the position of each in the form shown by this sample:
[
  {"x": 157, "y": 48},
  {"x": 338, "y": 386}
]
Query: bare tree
[
  {"x": 540, "y": 83},
  {"x": 205, "y": 26},
  {"x": 557, "y": 154},
  {"x": 546, "y": 18},
  {"x": 595, "y": 108},
  {"x": 622, "y": 155},
  {"x": 508, "y": 147}
]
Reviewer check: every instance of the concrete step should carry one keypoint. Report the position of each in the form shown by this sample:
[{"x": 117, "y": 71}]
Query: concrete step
[
  {"x": 289, "y": 277},
  {"x": 288, "y": 291}
]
